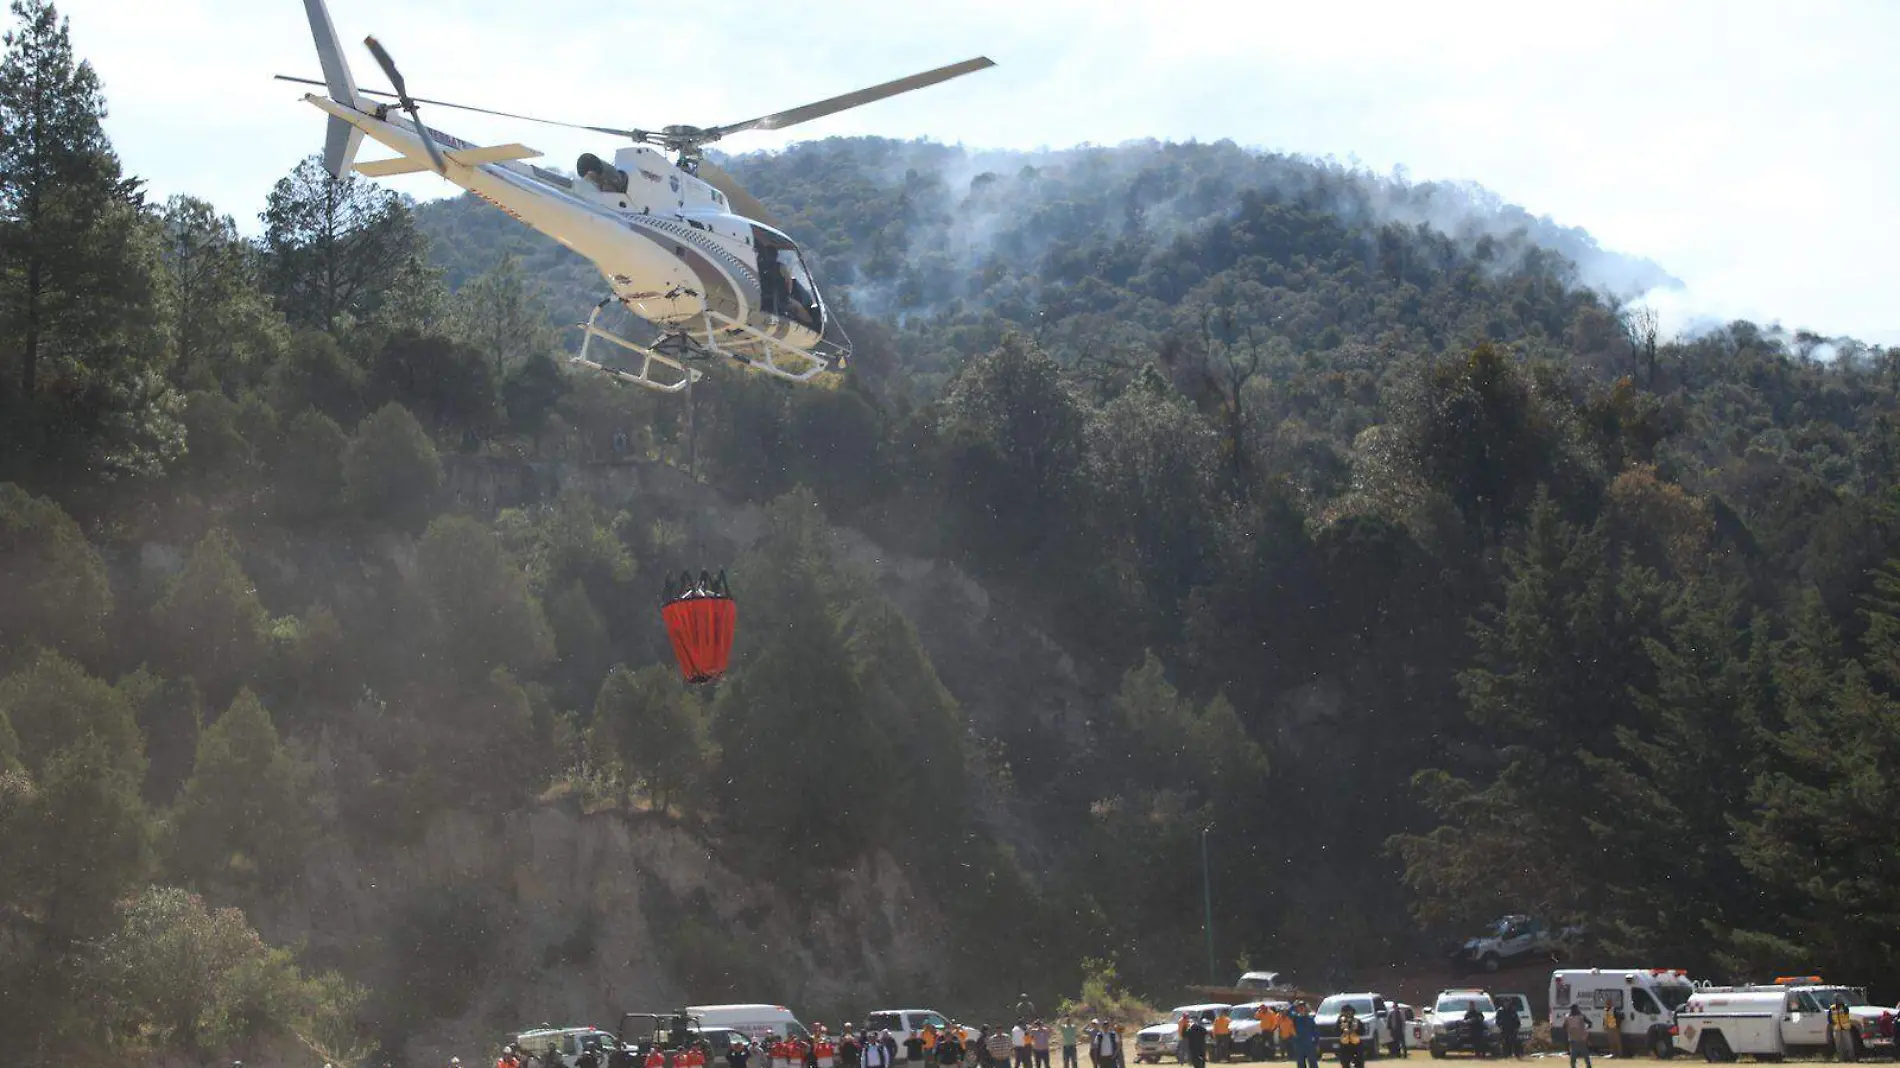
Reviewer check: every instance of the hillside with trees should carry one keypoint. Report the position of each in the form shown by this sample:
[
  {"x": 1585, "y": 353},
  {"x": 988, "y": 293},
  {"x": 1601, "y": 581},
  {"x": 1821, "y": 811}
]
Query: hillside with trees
[{"x": 1358, "y": 525}]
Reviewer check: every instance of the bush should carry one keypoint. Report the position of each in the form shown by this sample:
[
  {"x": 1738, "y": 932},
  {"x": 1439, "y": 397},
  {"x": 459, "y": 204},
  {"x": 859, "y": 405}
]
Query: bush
[{"x": 186, "y": 979}]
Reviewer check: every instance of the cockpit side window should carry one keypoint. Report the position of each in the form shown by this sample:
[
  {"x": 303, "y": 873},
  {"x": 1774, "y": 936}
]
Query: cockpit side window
[{"x": 786, "y": 288}]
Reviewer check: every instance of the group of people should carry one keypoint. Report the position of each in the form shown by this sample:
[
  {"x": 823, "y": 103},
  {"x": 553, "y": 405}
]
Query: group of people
[
  {"x": 1029, "y": 1044},
  {"x": 1289, "y": 1031}
]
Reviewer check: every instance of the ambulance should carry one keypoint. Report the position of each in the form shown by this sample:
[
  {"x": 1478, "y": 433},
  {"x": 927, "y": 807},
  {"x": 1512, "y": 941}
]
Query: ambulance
[{"x": 1644, "y": 999}]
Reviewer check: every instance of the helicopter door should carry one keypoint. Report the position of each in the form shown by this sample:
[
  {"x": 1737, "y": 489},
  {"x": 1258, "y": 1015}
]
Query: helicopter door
[{"x": 785, "y": 286}]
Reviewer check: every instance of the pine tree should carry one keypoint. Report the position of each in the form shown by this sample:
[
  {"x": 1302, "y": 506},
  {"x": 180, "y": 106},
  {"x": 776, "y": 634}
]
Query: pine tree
[
  {"x": 485, "y": 613},
  {"x": 335, "y": 246},
  {"x": 796, "y": 739},
  {"x": 1826, "y": 830},
  {"x": 392, "y": 471},
  {"x": 241, "y": 816},
  {"x": 1013, "y": 445},
  {"x": 169, "y": 714},
  {"x": 54, "y": 591},
  {"x": 82, "y": 839},
  {"x": 656, "y": 728},
  {"x": 1558, "y": 662},
  {"x": 1682, "y": 778},
  {"x": 504, "y": 315},
  {"x": 211, "y": 623},
  {"x": 78, "y": 327},
  {"x": 224, "y": 332},
  {"x": 52, "y": 704}
]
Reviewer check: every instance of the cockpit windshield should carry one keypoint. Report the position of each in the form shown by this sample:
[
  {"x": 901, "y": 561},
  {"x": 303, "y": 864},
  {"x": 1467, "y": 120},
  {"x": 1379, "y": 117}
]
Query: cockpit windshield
[{"x": 785, "y": 284}]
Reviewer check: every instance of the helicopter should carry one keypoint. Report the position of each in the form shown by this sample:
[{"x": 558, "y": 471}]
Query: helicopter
[{"x": 681, "y": 244}]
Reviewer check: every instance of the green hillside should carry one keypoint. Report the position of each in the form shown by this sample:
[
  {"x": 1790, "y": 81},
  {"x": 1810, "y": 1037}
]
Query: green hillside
[{"x": 1180, "y": 496}]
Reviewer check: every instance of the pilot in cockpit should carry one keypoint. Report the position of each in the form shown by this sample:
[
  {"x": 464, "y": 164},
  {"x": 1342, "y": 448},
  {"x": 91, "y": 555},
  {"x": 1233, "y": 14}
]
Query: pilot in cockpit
[
  {"x": 772, "y": 285},
  {"x": 606, "y": 179},
  {"x": 798, "y": 299}
]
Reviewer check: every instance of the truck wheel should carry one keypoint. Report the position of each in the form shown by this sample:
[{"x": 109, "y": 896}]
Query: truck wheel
[
  {"x": 1661, "y": 1046},
  {"x": 1490, "y": 962},
  {"x": 1438, "y": 1051},
  {"x": 1715, "y": 1049}
]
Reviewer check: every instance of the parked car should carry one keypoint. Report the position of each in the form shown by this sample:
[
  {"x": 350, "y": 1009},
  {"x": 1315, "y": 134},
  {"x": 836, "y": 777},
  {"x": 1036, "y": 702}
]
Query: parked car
[
  {"x": 902, "y": 1023},
  {"x": 1261, "y": 982},
  {"x": 1451, "y": 1024},
  {"x": 1520, "y": 1002},
  {"x": 1243, "y": 1035},
  {"x": 1158, "y": 1040},
  {"x": 1369, "y": 1007},
  {"x": 1513, "y": 938}
]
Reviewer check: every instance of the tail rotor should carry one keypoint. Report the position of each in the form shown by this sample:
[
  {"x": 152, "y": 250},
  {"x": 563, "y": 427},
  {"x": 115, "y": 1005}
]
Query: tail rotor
[{"x": 404, "y": 101}]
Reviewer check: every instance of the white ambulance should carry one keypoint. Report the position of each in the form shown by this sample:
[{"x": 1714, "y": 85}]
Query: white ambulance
[{"x": 1644, "y": 1000}]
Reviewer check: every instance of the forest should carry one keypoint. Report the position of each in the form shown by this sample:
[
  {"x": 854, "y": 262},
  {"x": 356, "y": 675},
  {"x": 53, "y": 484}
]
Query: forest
[{"x": 1364, "y": 525}]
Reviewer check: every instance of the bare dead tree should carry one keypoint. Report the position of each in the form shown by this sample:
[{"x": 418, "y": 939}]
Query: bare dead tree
[
  {"x": 1229, "y": 365},
  {"x": 1642, "y": 326}
]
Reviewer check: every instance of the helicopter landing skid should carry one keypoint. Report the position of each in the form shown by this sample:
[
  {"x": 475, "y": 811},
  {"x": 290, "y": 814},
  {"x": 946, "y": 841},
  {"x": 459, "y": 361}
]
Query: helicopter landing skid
[
  {"x": 661, "y": 368},
  {"x": 762, "y": 352}
]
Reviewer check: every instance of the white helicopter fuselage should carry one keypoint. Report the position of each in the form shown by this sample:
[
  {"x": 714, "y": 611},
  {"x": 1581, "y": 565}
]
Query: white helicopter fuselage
[{"x": 667, "y": 242}]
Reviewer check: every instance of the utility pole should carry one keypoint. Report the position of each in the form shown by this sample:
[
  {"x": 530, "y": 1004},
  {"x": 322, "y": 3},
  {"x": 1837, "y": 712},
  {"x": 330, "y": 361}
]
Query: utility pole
[{"x": 1207, "y": 900}]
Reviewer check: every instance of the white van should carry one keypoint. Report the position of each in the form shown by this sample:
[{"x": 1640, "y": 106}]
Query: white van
[
  {"x": 1644, "y": 999},
  {"x": 752, "y": 1021},
  {"x": 1724, "y": 1024}
]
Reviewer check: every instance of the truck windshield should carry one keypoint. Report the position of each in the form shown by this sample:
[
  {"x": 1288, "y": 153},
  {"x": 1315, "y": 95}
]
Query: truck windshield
[
  {"x": 1673, "y": 995},
  {"x": 1332, "y": 1005},
  {"x": 1460, "y": 1006}
]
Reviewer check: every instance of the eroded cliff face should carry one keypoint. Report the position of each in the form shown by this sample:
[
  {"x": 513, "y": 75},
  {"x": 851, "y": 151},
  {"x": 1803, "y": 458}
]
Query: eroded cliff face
[{"x": 573, "y": 918}]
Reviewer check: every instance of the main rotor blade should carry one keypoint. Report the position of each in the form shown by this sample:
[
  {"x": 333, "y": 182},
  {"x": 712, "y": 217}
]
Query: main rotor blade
[
  {"x": 740, "y": 201},
  {"x": 610, "y": 131},
  {"x": 782, "y": 119}
]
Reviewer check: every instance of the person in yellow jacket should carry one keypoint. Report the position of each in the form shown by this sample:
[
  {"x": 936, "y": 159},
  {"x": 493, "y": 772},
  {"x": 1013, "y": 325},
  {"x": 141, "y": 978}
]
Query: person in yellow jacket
[
  {"x": 1840, "y": 1025},
  {"x": 1223, "y": 1036},
  {"x": 1269, "y": 1018}
]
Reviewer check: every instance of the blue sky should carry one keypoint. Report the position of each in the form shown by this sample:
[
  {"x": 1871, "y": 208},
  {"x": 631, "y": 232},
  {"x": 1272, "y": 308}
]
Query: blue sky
[{"x": 1751, "y": 148}]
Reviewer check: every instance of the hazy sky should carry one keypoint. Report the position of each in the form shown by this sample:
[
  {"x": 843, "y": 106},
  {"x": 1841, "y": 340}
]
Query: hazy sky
[{"x": 1750, "y": 148}]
